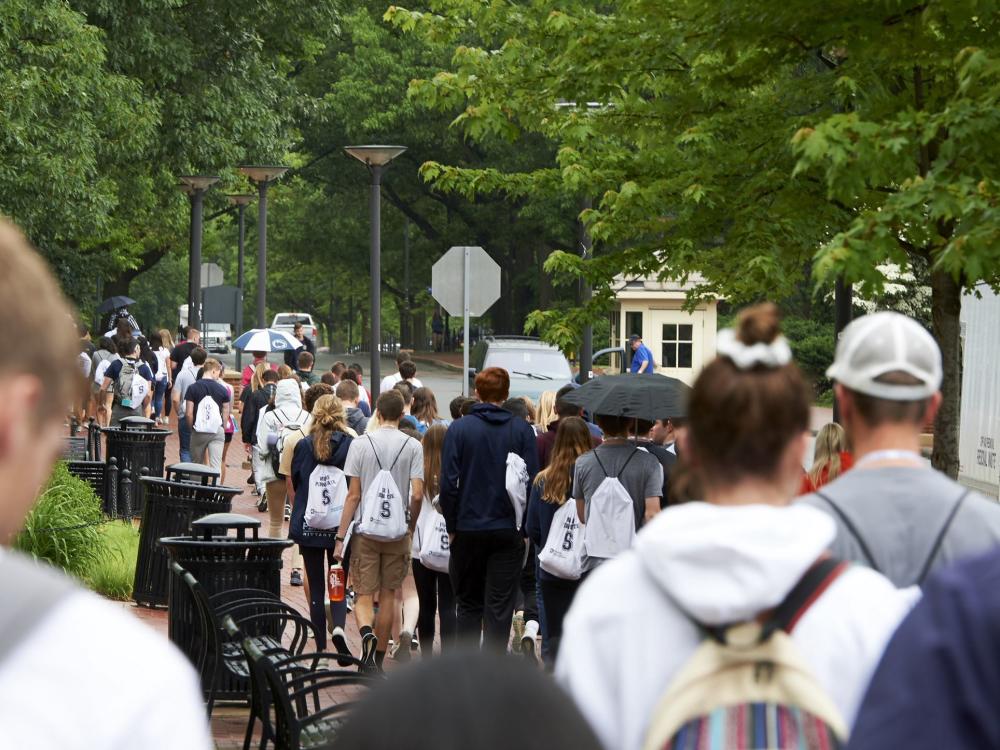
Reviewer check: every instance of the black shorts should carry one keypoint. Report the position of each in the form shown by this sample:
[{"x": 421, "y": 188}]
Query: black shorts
[{"x": 229, "y": 437}]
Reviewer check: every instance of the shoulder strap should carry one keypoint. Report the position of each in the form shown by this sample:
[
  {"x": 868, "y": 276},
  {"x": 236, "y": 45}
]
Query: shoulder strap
[
  {"x": 936, "y": 547},
  {"x": 29, "y": 592},
  {"x": 852, "y": 530},
  {"x": 803, "y": 595},
  {"x": 402, "y": 448},
  {"x": 375, "y": 451},
  {"x": 627, "y": 461},
  {"x": 600, "y": 464}
]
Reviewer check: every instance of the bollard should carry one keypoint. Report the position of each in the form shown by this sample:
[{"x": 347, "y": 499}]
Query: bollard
[{"x": 126, "y": 490}]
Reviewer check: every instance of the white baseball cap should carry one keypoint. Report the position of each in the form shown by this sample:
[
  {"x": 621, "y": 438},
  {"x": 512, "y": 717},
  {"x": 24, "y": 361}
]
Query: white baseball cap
[{"x": 885, "y": 342}]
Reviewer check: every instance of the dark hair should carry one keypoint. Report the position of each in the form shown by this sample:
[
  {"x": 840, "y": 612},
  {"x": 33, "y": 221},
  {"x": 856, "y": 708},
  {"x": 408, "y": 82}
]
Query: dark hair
[
  {"x": 352, "y": 376},
  {"x": 455, "y": 407},
  {"x": 410, "y": 432},
  {"x": 467, "y": 406},
  {"x": 459, "y": 695},
  {"x": 155, "y": 341},
  {"x": 313, "y": 394},
  {"x": 614, "y": 426},
  {"x": 390, "y": 405},
  {"x": 517, "y": 407},
  {"x": 306, "y": 359},
  {"x": 199, "y": 355},
  {"x": 185, "y": 330},
  {"x": 106, "y": 344},
  {"x": 561, "y": 393},
  {"x": 126, "y": 346},
  {"x": 329, "y": 378},
  {"x": 875, "y": 412},
  {"x": 403, "y": 355},
  {"x": 642, "y": 426},
  {"x": 297, "y": 325},
  {"x": 564, "y": 408},
  {"x": 356, "y": 368},
  {"x": 347, "y": 390},
  {"x": 424, "y": 407},
  {"x": 407, "y": 369},
  {"x": 406, "y": 390},
  {"x": 741, "y": 421},
  {"x": 271, "y": 376},
  {"x": 338, "y": 368},
  {"x": 123, "y": 329},
  {"x": 493, "y": 385}
]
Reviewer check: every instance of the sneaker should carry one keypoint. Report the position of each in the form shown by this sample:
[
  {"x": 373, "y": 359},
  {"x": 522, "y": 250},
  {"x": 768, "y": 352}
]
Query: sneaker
[
  {"x": 339, "y": 641},
  {"x": 296, "y": 578},
  {"x": 528, "y": 648},
  {"x": 262, "y": 504},
  {"x": 349, "y": 599},
  {"x": 165, "y": 420},
  {"x": 369, "y": 644},
  {"x": 250, "y": 480},
  {"x": 515, "y": 645},
  {"x": 288, "y": 511},
  {"x": 404, "y": 647}
]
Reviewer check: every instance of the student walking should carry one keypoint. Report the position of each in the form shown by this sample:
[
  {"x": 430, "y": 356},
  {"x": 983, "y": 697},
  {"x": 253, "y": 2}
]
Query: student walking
[
  {"x": 424, "y": 409},
  {"x": 551, "y": 491},
  {"x": 347, "y": 392},
  {"x": 162, "y": 380},
  {"x": 487, "y": 548},
  {"x": 100, "y": 360},
  {"x": 893, "y": 512},
  {"x": 433, "y": 586},
  {"x": 208, "y": 405},
  {"x": 746, "y": 555},
  {"x": 184, "y": 380},
  {"x": 386, "y": 472},
  {"x": 319, "y": 484},
  {"x": 128, "y": 383},
  {"x": 405, "y": 370}
]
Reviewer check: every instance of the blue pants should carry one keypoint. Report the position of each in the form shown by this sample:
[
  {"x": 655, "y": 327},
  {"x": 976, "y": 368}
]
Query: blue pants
[
  {"x": 184, "y": 435},
  {"x": 159, "y": 389}
]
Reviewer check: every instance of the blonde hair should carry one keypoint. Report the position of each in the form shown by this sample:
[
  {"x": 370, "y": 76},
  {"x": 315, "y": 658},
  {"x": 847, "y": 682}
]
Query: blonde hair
[
  {"x": 433, "y": 442},
  {"x": 166, "y": 339},
  {"x": 546, "y": 409},
  {"x": 532, "y": 412},
  {"x": 257, "y": 379},
  {"x": 286, "y": 373},
  {"x": 572, "y": 441},
  {"x": 830, "y": 441},
  {"x": 328, "y": 417}
]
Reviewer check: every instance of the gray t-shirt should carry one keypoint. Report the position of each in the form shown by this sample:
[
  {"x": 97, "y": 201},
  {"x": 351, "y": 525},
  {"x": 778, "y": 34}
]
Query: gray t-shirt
[
  {"x": 363, "y": 461},
  {"x": 642, "y": 478},
  {"x": 899, "y": 512}
]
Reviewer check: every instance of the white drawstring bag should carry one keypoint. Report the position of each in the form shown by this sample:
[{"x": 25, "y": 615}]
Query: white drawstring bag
[
  {"x": 435, "y": 546},
  {"x": 610, "y": 527},
  {"x": 208, "y": 418},
  {"x": 327, "y": 494},
  {"x": 563, "y": 553},
  {"x": 516, "y": 480},
  {"x": 383, "y": 510}
]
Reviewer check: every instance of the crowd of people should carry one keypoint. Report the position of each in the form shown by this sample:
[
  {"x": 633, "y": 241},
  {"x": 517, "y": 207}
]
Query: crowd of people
[{"x": 685, "y": 579}]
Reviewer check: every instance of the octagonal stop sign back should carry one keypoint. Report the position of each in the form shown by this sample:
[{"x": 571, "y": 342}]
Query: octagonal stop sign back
[{"x": 447, "y": 281}]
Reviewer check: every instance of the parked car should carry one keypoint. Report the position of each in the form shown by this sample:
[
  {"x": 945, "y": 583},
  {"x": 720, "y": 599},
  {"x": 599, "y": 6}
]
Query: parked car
[
  {"x": 534, "y": 366},
  {"x": 216, "y": 337},
  {"x": 286, "y": 322}
]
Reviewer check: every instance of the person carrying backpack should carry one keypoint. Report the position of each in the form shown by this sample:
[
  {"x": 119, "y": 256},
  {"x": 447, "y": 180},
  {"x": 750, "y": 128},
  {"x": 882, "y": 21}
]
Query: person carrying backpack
[
  {"x": 128, "y": 384},
  {"x": 745, "y": 567},
  {"x": 320, "y": 489},
  {"x": 386, "y": 472},
  {"x": 282, "y": 417},
  {"x": 208, "y": 405}
]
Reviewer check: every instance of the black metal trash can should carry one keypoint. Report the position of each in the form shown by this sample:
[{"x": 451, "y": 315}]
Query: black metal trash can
[
  {"x": 192, "y": 472},
  {"x": 220, "y": 563},
  {"x": 171, "y": 506},
  {"x": 136, "y": 445}
]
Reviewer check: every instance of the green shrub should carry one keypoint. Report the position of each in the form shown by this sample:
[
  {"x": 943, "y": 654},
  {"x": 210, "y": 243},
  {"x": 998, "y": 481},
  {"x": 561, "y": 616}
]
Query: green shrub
[
  {"x": 61, "y": 527},
  {"x": 113, "y": 572}
]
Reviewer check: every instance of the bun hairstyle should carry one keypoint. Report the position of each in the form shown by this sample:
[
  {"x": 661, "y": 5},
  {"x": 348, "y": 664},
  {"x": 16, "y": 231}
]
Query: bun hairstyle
[
  {"x": 748, "y": 404},
  {"x": 328, "y": 417}
]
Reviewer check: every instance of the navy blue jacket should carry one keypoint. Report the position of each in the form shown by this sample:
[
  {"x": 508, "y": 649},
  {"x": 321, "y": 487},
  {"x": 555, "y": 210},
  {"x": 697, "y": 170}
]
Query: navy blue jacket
[
  {"x": 939, "y": 679},
  {"x": 303, "y": 463},
  {"x": 539, "y": 522},
  {"x": 474, "y": 468}
]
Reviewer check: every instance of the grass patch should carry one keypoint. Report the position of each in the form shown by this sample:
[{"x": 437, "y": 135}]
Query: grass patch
[{"x": 113, "y": 572}]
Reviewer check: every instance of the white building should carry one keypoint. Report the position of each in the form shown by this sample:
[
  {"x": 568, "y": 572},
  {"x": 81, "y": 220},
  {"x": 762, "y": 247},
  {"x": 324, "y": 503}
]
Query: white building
[{"x": 682, "y": 342}]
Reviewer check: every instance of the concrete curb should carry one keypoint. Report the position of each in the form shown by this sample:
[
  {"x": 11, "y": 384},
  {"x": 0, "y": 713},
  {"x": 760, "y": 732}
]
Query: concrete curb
[{"x": 436, "y": 363}]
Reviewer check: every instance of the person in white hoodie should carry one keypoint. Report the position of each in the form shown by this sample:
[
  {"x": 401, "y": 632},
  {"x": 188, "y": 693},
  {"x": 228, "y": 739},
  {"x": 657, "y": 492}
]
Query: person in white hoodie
[
  {"x": 285, "y": 411},
  {"x": 728, "y": 559}
]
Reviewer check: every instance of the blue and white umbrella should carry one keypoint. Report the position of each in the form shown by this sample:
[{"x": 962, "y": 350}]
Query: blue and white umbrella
[{"x": 267, "y": 340}]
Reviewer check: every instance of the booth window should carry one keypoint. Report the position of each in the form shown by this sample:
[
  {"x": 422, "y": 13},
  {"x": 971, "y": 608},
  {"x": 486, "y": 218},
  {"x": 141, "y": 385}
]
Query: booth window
[{"x": 678, "y": 345}]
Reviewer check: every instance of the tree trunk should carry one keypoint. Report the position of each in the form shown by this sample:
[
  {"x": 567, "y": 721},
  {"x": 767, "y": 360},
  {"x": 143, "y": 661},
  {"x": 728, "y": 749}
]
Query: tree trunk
[
  {"x": 119, "y": 285},
  {"x": 946, "y": 305}
]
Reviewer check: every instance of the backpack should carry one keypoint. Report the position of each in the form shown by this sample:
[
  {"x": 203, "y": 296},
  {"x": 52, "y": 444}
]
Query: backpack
[
  {"x": 208, "y": 418},
  {"x": 383, "y": 509},
  {"x": 516, "y": 481},
  {"x": 563, "y": 553},
  {"x": 610, "y": 527},
  {"x": 123, "y": 384},
  {"x": 279, "y": 445},
  {"x": 327, "y": 493},
  {"x": 747, "y": 686},
  {"x": 435, "y": 547}
]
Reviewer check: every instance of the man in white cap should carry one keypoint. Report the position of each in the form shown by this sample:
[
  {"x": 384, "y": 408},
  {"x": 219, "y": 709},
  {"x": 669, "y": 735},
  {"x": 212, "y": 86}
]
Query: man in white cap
[{"x": 895, "y": 513}]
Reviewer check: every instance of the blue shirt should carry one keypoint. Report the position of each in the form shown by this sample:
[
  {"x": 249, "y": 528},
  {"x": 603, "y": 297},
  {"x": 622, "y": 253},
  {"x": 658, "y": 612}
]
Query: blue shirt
[{"x": 642, "y": 354}]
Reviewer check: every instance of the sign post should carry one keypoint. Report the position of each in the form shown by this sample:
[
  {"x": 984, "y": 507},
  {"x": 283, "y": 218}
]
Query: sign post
[{"x": 466, "y": 282}]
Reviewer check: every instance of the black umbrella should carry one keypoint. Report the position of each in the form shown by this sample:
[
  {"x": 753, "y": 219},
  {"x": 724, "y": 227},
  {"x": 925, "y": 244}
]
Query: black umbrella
[
  {"x": 113, "y": 303},
  {"x": 648, "y": 397}
]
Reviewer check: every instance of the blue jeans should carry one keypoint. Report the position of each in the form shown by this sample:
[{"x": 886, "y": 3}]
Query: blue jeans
[
  {"x": 159, "y": 389},
  {"x": 184, "y": 435}
]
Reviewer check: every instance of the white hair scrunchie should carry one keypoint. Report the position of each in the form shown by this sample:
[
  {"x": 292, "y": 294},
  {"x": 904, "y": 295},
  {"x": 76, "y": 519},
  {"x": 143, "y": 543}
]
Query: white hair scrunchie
[{"x": 776, "y": 354}]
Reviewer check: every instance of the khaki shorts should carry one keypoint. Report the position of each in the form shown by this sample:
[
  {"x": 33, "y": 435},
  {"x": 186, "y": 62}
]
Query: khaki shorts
[{"x": 379, "y": 565}]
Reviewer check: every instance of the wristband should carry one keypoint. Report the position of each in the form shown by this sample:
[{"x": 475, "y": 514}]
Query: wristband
[{"x": 339, "y": 538}]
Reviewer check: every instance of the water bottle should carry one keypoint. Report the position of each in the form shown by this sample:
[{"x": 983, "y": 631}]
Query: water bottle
[{"x": 337, "y": 583}]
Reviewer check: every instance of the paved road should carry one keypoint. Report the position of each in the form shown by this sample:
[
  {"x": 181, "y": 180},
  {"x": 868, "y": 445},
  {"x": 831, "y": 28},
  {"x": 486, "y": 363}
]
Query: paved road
[{"x": 445, "y": 383}]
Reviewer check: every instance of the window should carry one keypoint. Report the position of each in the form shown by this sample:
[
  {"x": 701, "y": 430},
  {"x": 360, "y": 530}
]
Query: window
[
  {"x": 616, "y": 322},
  {"x": 633, "y": 324},
  {"x": 678, "y": 345}
]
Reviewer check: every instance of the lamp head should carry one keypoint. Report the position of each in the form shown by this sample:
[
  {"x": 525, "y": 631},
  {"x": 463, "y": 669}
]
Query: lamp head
[
  {"x": 198, "y": 181},
  {"x": 263, "y": 172},
  {"x": 241, "y": 199},
  {"x": 375, "y": 156}
]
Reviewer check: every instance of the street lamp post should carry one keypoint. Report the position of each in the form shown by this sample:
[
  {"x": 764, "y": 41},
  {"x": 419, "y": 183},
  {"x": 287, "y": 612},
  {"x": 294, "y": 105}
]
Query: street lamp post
[
  {"x": 240, "y": 200},
  {"x": 195, "y": 187},
  {"x": 263, "y": 175},
  {"x": 376, "y": 158}
]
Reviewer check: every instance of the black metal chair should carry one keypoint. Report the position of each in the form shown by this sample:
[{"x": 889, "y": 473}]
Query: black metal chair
[{"x": 283, "y": 687}]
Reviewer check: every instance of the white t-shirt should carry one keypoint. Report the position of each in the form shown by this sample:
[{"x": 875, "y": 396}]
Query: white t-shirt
[
  {"x": 163, "y": 363},
  {"x": 93, "y": 677},
  {"x": 84, "y": 359},
  {"x": 102, "y": 367},
  {"x": 390, "y": 380}
]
